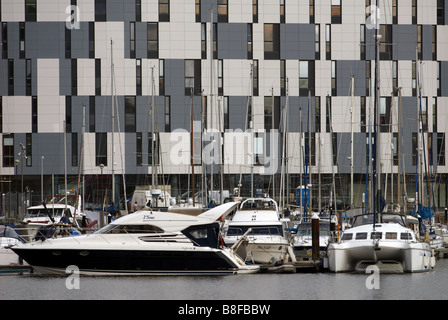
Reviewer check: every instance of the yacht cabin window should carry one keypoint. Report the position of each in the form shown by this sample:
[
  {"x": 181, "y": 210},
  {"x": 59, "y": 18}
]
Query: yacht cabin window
[
  {"x": 391, "y": 235},
  {"x": 347, "y": 236},
  {"x": 376, "y": 235},
  {"x": 261, "y": 230},
  {"x": 120, "y": 229},
  {"x": 405, "y": 236},
  {"x": 361, "y": 236}
]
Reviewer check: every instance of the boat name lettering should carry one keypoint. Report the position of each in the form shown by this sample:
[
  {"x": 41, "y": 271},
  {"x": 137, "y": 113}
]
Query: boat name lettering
[{"x": 148, "y": 217}]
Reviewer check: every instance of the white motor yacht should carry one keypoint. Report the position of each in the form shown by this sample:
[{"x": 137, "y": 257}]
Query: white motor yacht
[
  {"x": 388, "y": 242},
  {"x": 303, "y": 239},
  {"x": 142, "y": 243},
  {"x": 266, "y": 241},
  {"x": 8, "y": 238}
]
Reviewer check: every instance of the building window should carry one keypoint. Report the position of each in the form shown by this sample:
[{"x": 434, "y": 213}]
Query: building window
[
  {"x": 10, "y": 77},
  {"x": 28, "y": 77},
  {"x": 255, "y": 11},
  {"x": 193, "y": 77},
  {"x": 130, "y": 115},
  {"x": 8, "y": 150},
  {"x": 250, "y": 48},
  {"x": 203, "y": 40},
  {"x": 306, "y": 77},
  {"x": 220, "y": 77},
  {"x": 317, "y": 41},
  {"x": 271, "y": 113},
  {"x": 92, "y": 40},
  {"x": 312, "y": 11},
  {"x": 255, "y": 78},
  {"x": 283, "y": 78},
  {"x": 414, "y": 11},
  {"x": 386, "y": 44},
  {"x": 100, "y": 148},
  {"x": 161, "y": 77},
  {"x": 328, "y": 41},
  {"x": 215, "y": 41},
  {"x": 132, "y": 39},
  {"x": 414, "y": 79},
  {"x": 68, "y": 43},
  {"x": 5, "y": 40},
  {"x": 100, "y": 10},
  {"x": 395, "y": 77},
  {"x": 153, "y": 141},
  {"x": 68, "y": 114},
  {"x": 74, "y": 149},
  {"x": 414, "y": 148},
  {"x": 198, "y": 10},
  {"x": 164, "y": 10},
  {"x": 363, "y": 42},
  {"x": 334, "y": 86},
  {"x": 92, "y": 111},
  {"x": 385, "y": 107},
  {"x": 138, "y": 76},
  {"x": 30, "y": 10},
  {"x": 439, "y": 77},
  {"x": 223, "y": 11},
  {"x": 441, "y": 149},
  {"x": 74, "y": 77},
  {"x": 167, "y": 114},
  {"x": 317, "y": 112},
  {"x": 434, "y": 43},
  {"x": 440, "y": 12},
  {"x": 271, "y": 41},
  {"x": 22, "y": 39},
  {"x": 138, "y": 10},
  {"x": 139, "y": 149},
  {"x": 395, "y": 11},
  {"x": 29, "y": 149},
  {"x": 336, "y": 11},
  {"x": 34, "y": 122},
  {"x": 282, "y": 11},
  {"x": 225, "y": 111},
  {"x": 153, "y": 40},
  {"x": 434, "y": 114},
  {"x": 424, "y": 113},
  {"x": 328, "y": 108},
  {"x": 419, "y": 42},
  {"x": 334, "y": 142},
  {"x": 368, "y": 77},
  {"x": 98, "y": 77},
  {"x": 1, "y": 114},
  {"x": 363, "y": 114}
]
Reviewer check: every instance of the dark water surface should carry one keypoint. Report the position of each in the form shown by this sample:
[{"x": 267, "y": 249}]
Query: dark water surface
[{"x": 300, "y": 286}]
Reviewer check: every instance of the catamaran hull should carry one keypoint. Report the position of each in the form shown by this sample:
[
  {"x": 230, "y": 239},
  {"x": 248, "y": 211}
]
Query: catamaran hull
[
  {"x": 413, "y": 257},
  {"x": 128, "y": 262}
]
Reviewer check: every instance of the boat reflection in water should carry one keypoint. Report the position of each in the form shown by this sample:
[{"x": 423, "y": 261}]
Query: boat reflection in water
[
  {"x": 389, "y": 242},
  {"x": 142, "y": 243}
]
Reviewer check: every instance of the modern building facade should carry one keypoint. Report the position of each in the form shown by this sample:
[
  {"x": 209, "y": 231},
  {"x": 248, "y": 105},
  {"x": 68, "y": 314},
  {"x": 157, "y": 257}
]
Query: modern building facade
[{"x": 85, "y": 85}]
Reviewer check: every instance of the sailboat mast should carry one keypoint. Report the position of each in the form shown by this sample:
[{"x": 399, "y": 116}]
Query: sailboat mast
[
  {"x": 376, "y": 135},
  {"x": 113, "y": 116},
  {"x": 351, "y": 141}
]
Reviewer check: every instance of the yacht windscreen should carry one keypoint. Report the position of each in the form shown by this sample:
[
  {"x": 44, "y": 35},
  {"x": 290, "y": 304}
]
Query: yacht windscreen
[{"x": 260, "y": 230}]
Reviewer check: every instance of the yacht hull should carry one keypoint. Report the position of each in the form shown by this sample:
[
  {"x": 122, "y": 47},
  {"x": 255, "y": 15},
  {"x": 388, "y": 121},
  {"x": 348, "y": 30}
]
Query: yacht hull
[
  {"x": 128, "y": 262},
  {"x": 414, "y": 257},
  {"x": 262, "y": 253}
]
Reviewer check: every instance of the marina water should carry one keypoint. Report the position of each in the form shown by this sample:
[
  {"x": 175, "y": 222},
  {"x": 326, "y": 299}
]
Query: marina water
[{"x": 431, "y": 285}]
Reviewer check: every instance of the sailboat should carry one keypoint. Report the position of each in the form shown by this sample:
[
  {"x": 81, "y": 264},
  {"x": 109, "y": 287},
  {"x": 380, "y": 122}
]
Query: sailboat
[{"x": 378, "y": 238}]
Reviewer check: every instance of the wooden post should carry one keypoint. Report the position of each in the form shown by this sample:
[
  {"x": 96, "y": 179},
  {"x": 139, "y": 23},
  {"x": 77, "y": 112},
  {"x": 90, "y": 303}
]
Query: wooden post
[{"x": 315, "y": 236}]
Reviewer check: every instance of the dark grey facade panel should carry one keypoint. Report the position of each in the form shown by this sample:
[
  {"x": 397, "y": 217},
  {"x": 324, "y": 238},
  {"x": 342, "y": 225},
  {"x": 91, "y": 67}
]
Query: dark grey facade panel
[
  {"x": 232, "y": 41},
  {"x": 65, "y": 77},
  {"x": 404, "y": 39},
  {"x": 444, "y": 78},
  {"x": 45, "y": 40},
  {"x": 80, "y": 41},
  {"x": 345, "y": 70},
  {"x": 297, "y": 41},
  {"x": 19, "y": 77},
  {"x": 13, "y": 40}
]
